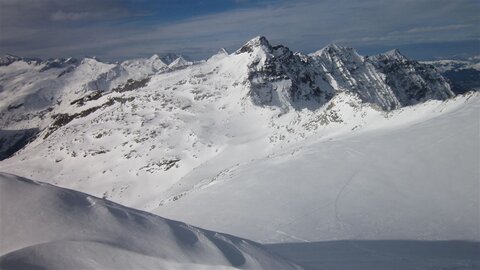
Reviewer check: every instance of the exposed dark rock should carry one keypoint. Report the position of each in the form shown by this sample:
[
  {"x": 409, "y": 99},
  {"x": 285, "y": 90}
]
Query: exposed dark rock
[
  {"x": 14, "y": 106},
  {"x": 11, "y": 141},
  {"x": 131, "y": 85},
  {"x": 9, "y": 59},
  {"x": 62, "y": 119},
  {"x": 283, "y": 65},
  {"x": 164, "y": 165},
  {"x": 58, "y": 63},
  {"x": 256, "y": 42},
  {"x": 92, "y": 96}
]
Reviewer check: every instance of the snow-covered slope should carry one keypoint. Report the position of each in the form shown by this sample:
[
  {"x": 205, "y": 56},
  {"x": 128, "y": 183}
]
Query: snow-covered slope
[
  {"x": 46, "y": 227},
  {"x": 33, "y": 91},
  {"x": 412, "y": 175}
]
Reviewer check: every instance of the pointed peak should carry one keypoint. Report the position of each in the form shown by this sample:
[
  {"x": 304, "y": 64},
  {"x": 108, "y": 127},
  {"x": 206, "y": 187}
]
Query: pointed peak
[
  {"x": 334, "y": 49},
  {"x": 156, "y": 62},
  {"x": 91, "y": 60},
  {"x": 179, "y": 62},
  {"x": 219, "y": 55},
  {"x": 7, "y": 59},
  {"x": 395, "y": 53},
  {"x": 168, "y": 58},
  {"x": 256, "y": 42},
  {"x": 391, "y": 55},
  {"x": 180, "y": 59},
  {"x": 155, "y": 57},
  {"x": 10, "y": 56},
  {"x": 259, "y": 40},
  {"x": 222, "y": 51},
  {"x": 335, "y": 46}
]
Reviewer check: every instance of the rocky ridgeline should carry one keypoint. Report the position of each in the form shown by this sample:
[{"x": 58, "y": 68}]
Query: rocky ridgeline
[
  {"x": 47, "y": 95},
  {"x": 389, "y": 80}
]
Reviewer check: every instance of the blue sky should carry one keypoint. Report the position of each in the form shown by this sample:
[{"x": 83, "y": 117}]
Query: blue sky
[{"x": 120, "y": 29}]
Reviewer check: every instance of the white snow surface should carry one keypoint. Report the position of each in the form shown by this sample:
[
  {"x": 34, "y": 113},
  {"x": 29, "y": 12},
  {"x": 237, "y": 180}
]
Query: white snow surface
[
  {"x": 416, "y": 179},
  {"x": 46, "y": 227}
]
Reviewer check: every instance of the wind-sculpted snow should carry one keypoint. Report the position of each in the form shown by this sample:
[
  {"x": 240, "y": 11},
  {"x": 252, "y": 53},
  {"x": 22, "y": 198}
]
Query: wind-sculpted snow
[{"x": 46, "y": 227}]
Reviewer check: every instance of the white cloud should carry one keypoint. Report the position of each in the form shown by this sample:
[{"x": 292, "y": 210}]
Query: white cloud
[
  {"x": 73, "y": 16},
  {"x": 426, "y": 29}
]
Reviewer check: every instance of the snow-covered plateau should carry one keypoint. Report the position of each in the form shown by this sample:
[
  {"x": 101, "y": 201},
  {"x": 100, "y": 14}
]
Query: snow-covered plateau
[{"x": 372, "y": 159}]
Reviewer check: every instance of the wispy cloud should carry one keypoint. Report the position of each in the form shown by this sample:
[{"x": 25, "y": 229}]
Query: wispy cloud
[
  {"x": 426, "y": 29},
  {"x": 74, "y": 16}
]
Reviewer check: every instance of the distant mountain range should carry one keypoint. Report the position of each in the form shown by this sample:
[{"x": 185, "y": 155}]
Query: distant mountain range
[{"x": 463, "y": 75}]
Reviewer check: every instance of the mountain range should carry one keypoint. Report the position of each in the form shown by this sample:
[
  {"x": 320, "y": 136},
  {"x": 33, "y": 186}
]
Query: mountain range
[{"x": 263, "y": 143}]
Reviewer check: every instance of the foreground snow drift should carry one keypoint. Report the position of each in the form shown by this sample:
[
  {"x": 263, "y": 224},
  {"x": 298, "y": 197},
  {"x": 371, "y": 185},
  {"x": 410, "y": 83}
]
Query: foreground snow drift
[{"x": 46, "y": 227}]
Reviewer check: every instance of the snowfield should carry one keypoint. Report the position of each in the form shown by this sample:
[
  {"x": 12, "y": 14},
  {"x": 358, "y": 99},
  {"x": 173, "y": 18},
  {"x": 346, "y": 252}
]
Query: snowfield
[
  {"x": 416, "y": 179},
  {"x": 46, "y": 227}
]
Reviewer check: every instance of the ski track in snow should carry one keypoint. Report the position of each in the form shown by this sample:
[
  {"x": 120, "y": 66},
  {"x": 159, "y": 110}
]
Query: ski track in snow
[{"x": 338, "y": 221}]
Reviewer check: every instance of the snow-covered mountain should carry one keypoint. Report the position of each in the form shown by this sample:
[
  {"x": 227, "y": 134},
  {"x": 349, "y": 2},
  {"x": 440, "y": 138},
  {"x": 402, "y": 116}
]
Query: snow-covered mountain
[
  {"x": 32, "y": 88},
  {"x": 463, "y": 75},
  {"x": 46, "y": 227},
  {"x": 147, "y": 114},
  {"x": 347, "y": 135},
  {"x": 388, "y": 80},
  {"x": 446, "y": 65}
]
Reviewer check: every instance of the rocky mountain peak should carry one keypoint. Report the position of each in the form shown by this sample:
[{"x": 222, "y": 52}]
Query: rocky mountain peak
[
  {"x": 7, "y": 59},
  {"x": 89, "y": 61},
  {"x": 256, "y": 42},
  {"x": 168, "y": 58},
  {"x": 336, "y": 51},
  {"x": 58, "y": 63},
  {"x": 179, "y": 62},
  {"x": 223, "y": 51},
  {"x": 155, "y": 57},
  {"x": 394, "y": 54}
]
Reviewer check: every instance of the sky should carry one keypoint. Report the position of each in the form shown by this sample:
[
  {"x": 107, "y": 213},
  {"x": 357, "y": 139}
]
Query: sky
[{"x": 120, "y": 29}]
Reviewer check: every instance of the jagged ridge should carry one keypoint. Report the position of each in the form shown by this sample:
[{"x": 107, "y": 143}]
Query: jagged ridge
[{"x": 389, "y": 80}]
